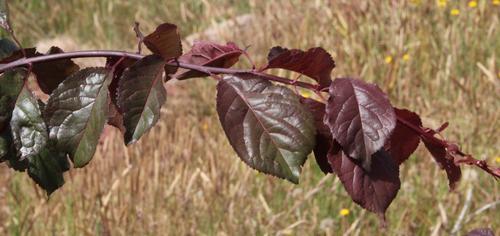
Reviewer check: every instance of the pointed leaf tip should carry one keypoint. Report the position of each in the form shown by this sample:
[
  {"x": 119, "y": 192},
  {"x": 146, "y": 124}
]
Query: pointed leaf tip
[
  {"x": 77, "y": 111},
  {"x": 141, "y": 95},
  {"x": 360, "y": 117},
  {"x": 316, "y": 63},
  {"x": 204, "y": 53},
  {"x": 165, "y": 41},
  {"x": 266, "y": 125}
]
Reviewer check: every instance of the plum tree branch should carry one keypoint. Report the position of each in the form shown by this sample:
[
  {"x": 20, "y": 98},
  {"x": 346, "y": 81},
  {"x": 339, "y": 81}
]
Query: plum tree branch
[{"x": 111, "y": 53}]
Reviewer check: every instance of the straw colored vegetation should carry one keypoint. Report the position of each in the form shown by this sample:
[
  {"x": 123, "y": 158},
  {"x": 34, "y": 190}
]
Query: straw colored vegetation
[{"x": 440, "y": 58}]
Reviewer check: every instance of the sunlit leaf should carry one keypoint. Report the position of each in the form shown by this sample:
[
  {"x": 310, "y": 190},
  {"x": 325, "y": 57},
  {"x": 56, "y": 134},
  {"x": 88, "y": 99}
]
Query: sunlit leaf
[
  {"x": 141, "y": 95},
  {"x": 165, "y": 41},
  {"x": 360, "y": 117},
  {"x": 77, "y": 111},
  {"x": 267, "y": 126},
  {"x": 206, "y": 53},
  {"x": 315, "y": 63},
  {"x": 29, "y": 131}
]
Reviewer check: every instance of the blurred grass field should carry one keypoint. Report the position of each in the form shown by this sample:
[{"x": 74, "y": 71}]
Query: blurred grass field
[{"x": 439, "y": 58}]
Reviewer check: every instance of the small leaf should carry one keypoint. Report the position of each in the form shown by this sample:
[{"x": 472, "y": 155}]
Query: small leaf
[
  {"x": 18, "y": 54},
  {"x": 12, "y": 82},
  {"x": 141, "y": 95},
  {"x": 373, "y": 190},
  {"x": 29, "y": 131},
  {"x": 50, "y": 74},
  {"x": 438, "y": 152},
  {"x": 76, "y": 113},
  {"x": 206, "y": 53},
  {"x": 315, "y": 63},
  {"x": 7, "y": 47},
  {"x": 165, "y": 41},
  {"x": 47, "y": 169},
  {"x": 323, "y": 136},
  {"x": 4, "y": 15},
  {"x": 481, "y": 232},
  {"x": 403, "y": 140},
  {"x": 266, "y": 125},
  {"x": 360, "y": 117}
]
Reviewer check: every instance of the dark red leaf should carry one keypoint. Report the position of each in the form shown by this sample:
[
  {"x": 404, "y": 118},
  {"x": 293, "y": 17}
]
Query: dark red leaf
[
  {"x": 50, "y": 74},
  {"x": 440, "y": 155},
  {"x": 115, "y": 116},
  {"x": 165, "y": 41},
  {"x": 18, "y": 54},
  {"x": 315, "y": 63},
  {"x": 404, "y": 140},
  {"x": 481, "y": 232},
  {"x": 360, "y": 117},
  {"x": 266, "y": 125},
  {"x": 206, "y": 53},
  {"x": 323, "y": 135},
  {"x": 373, "y": 190}
]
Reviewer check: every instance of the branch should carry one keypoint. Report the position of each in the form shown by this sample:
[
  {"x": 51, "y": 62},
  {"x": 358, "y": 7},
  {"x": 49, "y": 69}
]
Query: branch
[{"x": 111, "y": 53}]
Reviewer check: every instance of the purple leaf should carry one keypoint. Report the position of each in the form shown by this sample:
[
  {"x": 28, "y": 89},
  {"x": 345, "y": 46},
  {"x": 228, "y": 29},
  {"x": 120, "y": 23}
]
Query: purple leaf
[
  {"x": 315, "y": 63},
  {"x": 481, "y": 232},
  {"x": 360, "y": 117},
  {"x": 404, "y": 140},
  {"x": 165, "y": 41},
  {"x": 206, "y": 53},
  {"x": 373, "y": 190},
  {"x": 323, "y": 136},
  {"x": 266, "y": 125},
  {"x": 50, "y": 74},
  {"x": 141, "y": 95},
  {"x": 438, "y": 152}
]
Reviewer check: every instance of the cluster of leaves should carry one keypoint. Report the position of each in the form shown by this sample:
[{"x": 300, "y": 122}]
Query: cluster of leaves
[{"x": 355, "y": 133}]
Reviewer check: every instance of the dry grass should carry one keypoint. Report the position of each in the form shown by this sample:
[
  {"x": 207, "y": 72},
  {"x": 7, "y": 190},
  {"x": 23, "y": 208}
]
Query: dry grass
[{"x": 183, "y": 177}]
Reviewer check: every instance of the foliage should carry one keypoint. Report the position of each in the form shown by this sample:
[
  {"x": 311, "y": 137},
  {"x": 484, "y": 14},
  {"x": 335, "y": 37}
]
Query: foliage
[{"x": 353, "y": 129}]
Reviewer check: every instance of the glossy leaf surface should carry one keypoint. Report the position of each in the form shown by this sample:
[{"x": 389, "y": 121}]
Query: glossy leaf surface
[
  {"x": 47, "y": 169},
  {"x": 77, "y": 111},
  {"x": 141, "y": 95},
  {"x": 360, "y": 117},
  {"x": 267, "y": 126},
  {"x": 29, "y": 131}
]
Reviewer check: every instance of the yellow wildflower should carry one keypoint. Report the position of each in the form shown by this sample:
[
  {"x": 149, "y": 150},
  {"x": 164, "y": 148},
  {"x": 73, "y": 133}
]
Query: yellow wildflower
[
  {"x": 496, "y": 2},
  {"x": 442, "y": 3},
  {"x": 305, "y": 93},
  {"x": 406, "y": 57},
  {"x": 388, "y": 59},
  {"x": 344, "y": 212},
  {"x": 415, "y": 2},
  {"x": 454, "y": 12},
  {"x": 473, "y": 4},
  {"x": 497, "y": 159}
]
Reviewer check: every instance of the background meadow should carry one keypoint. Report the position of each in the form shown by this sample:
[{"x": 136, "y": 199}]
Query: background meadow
[{"x": 439, "y": 58}]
